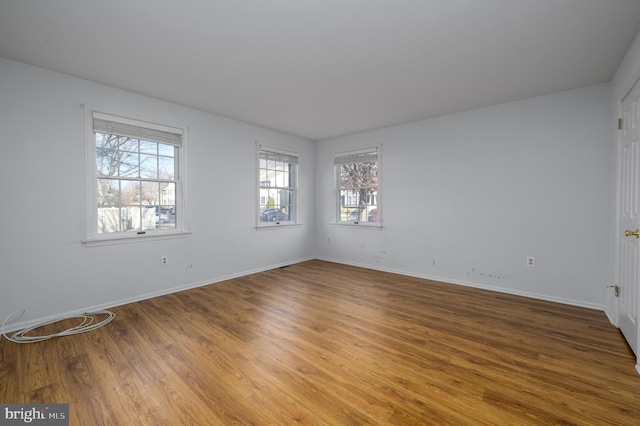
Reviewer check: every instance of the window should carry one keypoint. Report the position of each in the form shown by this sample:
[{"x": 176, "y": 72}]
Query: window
[
  {"x": 277, "y": 187},
  {"x": 357, "y": 186},
  {"x": 134, "y": 172}
]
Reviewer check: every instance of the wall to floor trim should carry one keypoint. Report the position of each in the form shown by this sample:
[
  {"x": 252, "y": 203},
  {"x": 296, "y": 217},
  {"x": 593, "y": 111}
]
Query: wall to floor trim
[
  {"x": 14, "y": 326},
  {"x": 612, "y": 318},
  {"x": 571, "y": 302}
]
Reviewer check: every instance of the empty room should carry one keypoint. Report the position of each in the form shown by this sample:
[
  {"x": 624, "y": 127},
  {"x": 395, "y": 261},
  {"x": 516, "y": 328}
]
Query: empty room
[{"x": 320, "y": 212}]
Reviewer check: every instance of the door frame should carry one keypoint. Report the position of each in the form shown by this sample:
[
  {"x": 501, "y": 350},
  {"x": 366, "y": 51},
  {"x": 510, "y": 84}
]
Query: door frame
[{"x": 612, "y": 301}]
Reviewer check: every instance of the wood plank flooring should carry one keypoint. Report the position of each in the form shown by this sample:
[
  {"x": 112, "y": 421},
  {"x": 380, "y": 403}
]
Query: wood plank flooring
[{"x": 320, "y": 343}]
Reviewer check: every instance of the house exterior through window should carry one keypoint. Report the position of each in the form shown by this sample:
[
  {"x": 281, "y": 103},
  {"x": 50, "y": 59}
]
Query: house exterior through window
[
  {"x": 278, "y": 187},
  {"x": 357, "y": 186},
  {"x": 135, "y": 187}
]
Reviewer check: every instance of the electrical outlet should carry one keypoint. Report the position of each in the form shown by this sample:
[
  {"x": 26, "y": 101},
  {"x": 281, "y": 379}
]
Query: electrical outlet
[
  {"x": 164, "y": 260},
  {"x": 329, "y": 239},
  {"x": 361, "y": 244},
  {"x": 531, "y": 261}
]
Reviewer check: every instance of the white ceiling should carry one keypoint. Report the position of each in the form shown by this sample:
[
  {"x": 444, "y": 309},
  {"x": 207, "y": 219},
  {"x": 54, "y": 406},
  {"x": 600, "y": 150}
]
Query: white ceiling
[{"x": 325, "y": 68}]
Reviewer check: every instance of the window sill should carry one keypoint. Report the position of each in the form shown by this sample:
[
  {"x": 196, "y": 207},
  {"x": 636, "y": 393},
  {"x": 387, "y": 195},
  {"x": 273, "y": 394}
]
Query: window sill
[
  {"x": 112, "y": 240},
  {"x": 360, "y": 225},
  {"x": 277, "y": 225}
]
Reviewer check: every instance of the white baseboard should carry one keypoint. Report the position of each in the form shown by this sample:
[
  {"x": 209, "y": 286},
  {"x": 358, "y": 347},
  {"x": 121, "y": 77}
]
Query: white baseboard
[
  {"x": 612, "y": 318},
  {"x": 14, "y": 326},
  {"x": 547, "y": 298}
]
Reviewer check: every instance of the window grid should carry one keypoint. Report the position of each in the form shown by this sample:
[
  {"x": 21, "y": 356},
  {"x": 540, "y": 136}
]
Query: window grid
[
  {"x": 136, "y": 186},
  {"x": 277, "y": 188},
  {"x": 357, "y": 180}
]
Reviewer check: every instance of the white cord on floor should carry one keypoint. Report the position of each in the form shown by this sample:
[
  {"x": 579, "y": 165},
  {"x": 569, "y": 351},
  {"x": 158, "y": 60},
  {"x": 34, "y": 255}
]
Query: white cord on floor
[{"x": 87, "y": 324}]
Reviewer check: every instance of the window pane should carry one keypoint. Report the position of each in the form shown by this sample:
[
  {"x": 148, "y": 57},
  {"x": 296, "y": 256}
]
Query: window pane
[
  {"x": 108, "y": 220},
  {"x": 148, "y": 166},
  {"x": 130, "y": 192},
  {"x": 346, "y": 175},
  {"x": 108, "y": 193},
  {"x": 164, "y": 219},
  {"x": 272, "y": 199},
  {"x": 148, "y": 218},
  {"x": 285, "y": 181},
  {"x": 166, "y": 150},
  {"x": 166, "y": 166},
  {"x": 106, "y": 162},
  {"x": 106, "y": 141},
  {"x": 279, "y": 177},
  {"x": 285, "y": 197},
  {"x": 264, "y": 178},
  {"x": 373, "y": 173},
  {"x": 150, "y": 193},
  {"x": 147, "y": 147},
  {"x": 168, "y": 194},
  {"x": 130, "y": 218},
  {"x": 128, "y": 164},
  {"x": 128, "y": 144}
]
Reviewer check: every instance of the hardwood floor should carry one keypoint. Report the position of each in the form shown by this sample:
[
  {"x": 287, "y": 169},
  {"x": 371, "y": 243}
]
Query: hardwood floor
[{"x": 329, "y": 344}]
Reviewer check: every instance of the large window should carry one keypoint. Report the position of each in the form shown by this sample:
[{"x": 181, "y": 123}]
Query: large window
[
  {"x": 357, "y": 186},
  {"x": 135, "y": 187},
  {"x": 277, "y": 188}
]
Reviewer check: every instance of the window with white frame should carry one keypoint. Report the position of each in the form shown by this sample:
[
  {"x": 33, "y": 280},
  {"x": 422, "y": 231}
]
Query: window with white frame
[
  {"x": 134, "y": 168},
  {"x": 357, "y": 186},
  {"x": 277, "y": 186}
]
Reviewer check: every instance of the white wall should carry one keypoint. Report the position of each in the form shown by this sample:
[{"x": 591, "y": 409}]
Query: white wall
[
  {"x": 467, "y": 197},
  {"x": 46, "y": 270}
]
